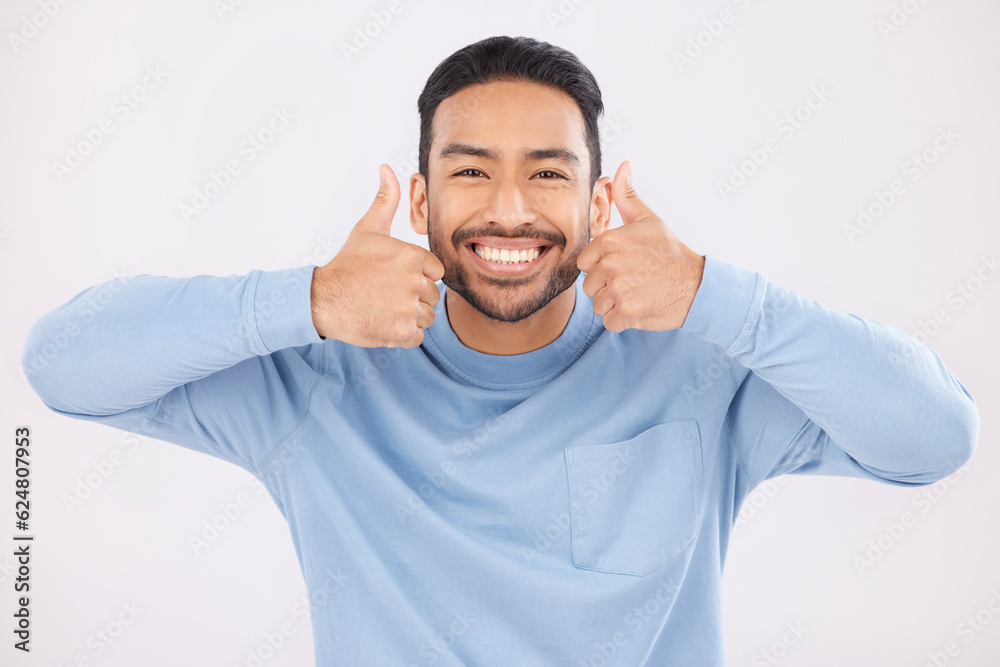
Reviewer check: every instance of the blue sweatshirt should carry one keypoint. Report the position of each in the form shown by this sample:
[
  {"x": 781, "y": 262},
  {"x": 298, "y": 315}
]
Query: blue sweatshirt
[{"x": 567, "y": 506}]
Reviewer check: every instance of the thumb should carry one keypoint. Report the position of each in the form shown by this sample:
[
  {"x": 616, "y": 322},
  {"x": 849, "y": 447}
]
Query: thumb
[
  {"x": 380, "y": 213},
  {"x": 625, "y": 198}
]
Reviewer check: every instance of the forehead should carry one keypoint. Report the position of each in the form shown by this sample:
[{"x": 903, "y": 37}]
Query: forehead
[{"x": 509, "y": 113}]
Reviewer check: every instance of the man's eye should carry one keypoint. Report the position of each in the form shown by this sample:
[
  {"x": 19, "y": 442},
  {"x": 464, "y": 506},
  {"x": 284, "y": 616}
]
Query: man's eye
[{"x": 552, "y": 174}]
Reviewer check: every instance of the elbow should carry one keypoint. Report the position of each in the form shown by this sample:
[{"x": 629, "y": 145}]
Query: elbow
[
  {"x": 34, "y": 364},
  {"x": 39, "y": 359},
  {"x": 957, "y": 447},
  {"x": 966, "y": 430}
]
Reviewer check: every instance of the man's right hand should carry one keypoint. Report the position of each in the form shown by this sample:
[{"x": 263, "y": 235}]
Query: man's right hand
[{"x": 377, "y": 291}]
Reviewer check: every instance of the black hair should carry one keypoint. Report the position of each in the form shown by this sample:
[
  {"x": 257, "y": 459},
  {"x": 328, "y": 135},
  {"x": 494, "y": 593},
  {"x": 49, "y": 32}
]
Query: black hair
[{"x": 503, "y": 58}]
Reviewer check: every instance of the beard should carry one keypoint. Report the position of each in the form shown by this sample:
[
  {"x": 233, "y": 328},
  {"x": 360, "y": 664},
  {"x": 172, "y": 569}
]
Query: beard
[{"x": 503, "y": 298}]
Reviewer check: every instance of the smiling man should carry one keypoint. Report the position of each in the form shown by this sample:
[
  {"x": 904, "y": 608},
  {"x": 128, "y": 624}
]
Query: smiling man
[
  {"x": 514, "y": 216},
  {"x": 529, "y": 444}
]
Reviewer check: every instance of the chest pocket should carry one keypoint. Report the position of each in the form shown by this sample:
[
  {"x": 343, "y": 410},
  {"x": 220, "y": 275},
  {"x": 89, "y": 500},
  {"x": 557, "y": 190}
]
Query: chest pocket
[{"x": 634, "y": 505}]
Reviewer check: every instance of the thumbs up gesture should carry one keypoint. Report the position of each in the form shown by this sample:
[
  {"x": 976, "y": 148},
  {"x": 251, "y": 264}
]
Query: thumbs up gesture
[
  {"x": 639, "y": 275},
  {"x": 377, "y": 291}
]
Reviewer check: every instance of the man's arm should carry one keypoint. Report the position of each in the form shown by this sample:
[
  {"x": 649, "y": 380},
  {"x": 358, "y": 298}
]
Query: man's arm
[
  {"x": 187, "y": 360},
  {"x": 825, "y": 386},
  {"x": 221, "y": 364},
  {"x": 826, "y": 393}
]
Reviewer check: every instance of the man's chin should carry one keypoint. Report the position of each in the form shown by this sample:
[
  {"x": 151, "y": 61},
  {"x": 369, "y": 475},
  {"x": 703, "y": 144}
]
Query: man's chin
[{"x": 508, "y": 299}]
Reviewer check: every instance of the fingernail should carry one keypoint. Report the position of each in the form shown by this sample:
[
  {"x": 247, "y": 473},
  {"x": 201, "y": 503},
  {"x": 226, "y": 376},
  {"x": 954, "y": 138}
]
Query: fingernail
[
  {"x": 629, "y": 180},
  {"x": 381, "y": 176}
]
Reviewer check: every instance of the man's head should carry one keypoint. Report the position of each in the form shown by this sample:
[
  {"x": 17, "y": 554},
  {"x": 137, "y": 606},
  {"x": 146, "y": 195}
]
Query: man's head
[{"x": 509, "y": 155}]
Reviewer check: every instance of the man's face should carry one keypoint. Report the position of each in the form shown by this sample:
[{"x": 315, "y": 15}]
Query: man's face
[{"x": 509, "y": 169}]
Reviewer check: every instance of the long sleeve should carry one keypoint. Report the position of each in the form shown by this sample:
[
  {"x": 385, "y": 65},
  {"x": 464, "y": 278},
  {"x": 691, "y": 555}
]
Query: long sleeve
[
  {"x": 827, "y": 392},
  {"x": 189, "y": 360}
]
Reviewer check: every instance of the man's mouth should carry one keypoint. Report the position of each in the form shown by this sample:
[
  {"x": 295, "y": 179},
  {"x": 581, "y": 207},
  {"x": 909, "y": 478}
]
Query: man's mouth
[{"x": 509, "y": 257}]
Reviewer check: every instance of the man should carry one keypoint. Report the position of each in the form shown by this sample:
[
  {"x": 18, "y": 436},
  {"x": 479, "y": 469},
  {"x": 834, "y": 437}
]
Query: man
[{"x": 539, "y": 461}]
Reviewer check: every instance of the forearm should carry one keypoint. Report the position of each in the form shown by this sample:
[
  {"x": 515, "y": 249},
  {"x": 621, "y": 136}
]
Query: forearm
[
  {"x": 886, "y": 399},
  {"x": 126, "y": 342}
]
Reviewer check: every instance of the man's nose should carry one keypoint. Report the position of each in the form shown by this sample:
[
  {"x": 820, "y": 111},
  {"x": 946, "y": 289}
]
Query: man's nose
[{"x": 509, "y": 205}]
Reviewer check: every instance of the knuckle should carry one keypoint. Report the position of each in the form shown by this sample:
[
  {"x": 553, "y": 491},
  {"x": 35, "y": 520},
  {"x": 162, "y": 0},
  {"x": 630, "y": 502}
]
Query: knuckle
[
  {"x": 413, "y": 253},
  {"x": 414, "y": 283},
  {"x": 614, "y": 285},
  {"x": 403, "y": 330}
]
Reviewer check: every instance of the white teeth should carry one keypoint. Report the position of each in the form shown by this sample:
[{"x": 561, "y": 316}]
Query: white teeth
[{"x": 506, "y": 255}]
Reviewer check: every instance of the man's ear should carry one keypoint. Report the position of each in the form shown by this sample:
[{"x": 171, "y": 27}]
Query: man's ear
[
  {"x": 418, "y": 203},
  {"x": 600, "y": 207}
]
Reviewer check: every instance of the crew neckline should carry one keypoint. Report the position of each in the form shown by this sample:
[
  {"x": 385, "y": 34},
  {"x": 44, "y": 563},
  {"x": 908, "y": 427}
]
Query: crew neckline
[{"x": 511, "y": 371}]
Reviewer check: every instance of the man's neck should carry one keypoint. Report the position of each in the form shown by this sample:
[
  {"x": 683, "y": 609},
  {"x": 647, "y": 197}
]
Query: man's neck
[{"x": 489, "y": 336}]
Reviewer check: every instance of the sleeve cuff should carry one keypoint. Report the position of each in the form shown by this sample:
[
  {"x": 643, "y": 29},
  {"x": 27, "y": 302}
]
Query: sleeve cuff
[
  {"x": 726, "y": 304},
  {"x": 282, "y": 309}
]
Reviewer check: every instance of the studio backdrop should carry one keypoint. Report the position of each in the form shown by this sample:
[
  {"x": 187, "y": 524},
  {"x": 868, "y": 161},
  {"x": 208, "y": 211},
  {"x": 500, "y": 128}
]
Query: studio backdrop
[{"x": 846, "y": 150}]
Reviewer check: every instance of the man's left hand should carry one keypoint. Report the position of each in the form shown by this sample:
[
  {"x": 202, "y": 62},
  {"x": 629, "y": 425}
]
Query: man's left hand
[{"x": 640, "y": 275}]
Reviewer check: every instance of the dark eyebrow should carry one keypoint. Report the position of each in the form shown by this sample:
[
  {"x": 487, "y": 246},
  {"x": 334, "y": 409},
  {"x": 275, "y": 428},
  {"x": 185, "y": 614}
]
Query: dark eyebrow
[{"x": 459, "y": 148}]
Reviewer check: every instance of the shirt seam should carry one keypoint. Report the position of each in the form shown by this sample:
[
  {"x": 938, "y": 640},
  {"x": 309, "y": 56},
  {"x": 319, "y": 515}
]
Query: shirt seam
[
  {"x": 305, "y": 415},
  {"x": 798, "y": 462},
  {"x": 250, "y": 315},
  {"x": 741, "y": 459},
  {"x": 752, "y": 317}
]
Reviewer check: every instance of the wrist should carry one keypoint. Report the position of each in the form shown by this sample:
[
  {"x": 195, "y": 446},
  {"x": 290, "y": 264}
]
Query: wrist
[{"x": 316, "y": 302}]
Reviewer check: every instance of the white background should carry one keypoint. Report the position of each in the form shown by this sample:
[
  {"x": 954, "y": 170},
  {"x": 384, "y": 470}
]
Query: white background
[{"x": 684, "y": 127}]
